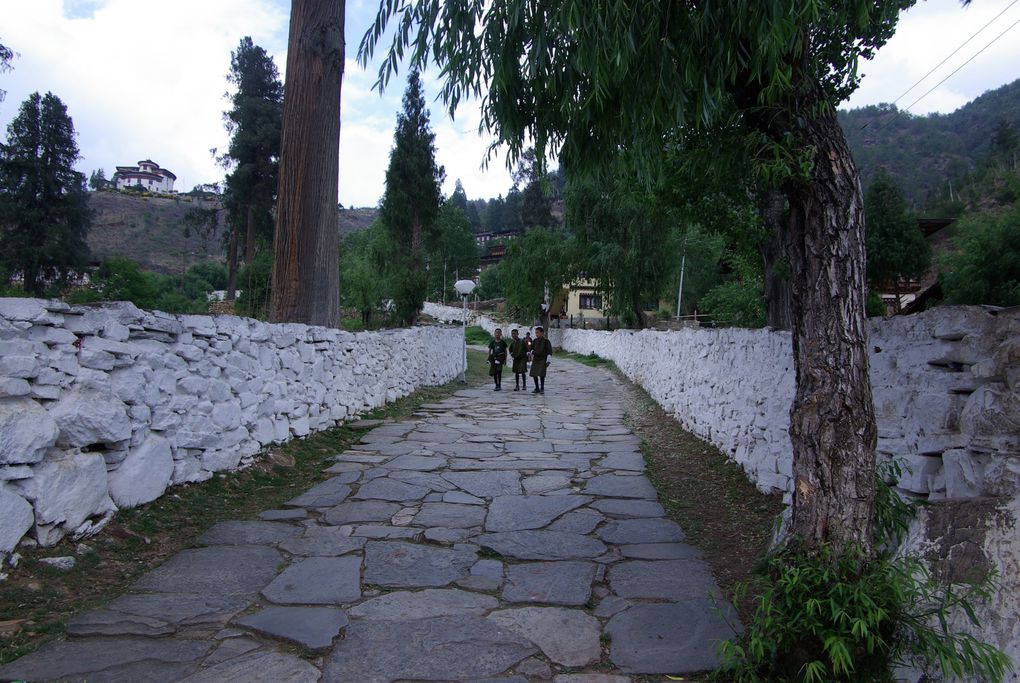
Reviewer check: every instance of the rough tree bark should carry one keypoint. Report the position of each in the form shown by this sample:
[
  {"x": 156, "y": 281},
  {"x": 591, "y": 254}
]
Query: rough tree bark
[
  {"x": 778, "y": 306},
  {"x": 832, "y": 421},
  {"x": 305, "y": 284},
  {"x": 249, "y": 237},
  {"x": 232, "y": 262}
]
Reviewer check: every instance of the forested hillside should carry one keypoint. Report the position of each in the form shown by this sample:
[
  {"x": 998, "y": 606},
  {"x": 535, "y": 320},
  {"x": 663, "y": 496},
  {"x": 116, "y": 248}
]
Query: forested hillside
[{"x": 925, "y": 153}]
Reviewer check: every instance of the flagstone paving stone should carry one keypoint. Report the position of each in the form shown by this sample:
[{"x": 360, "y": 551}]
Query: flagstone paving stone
[
  {"x": 480, "y": 540},
  {"x": 311, "y": 627}
]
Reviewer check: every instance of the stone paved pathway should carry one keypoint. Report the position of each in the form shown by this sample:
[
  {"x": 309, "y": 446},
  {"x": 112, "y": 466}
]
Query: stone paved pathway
[{"x": 495, "y": 537}]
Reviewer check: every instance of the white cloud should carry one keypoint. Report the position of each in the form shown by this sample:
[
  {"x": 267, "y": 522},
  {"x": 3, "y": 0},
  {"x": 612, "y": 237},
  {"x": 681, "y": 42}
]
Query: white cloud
[
  {"x": 143, "y": 78},
  {"x": 927, "y": 34}
]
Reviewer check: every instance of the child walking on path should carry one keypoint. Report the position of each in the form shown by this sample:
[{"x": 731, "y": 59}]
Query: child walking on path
[
  {"x": 541, "y": 349},
  {"x": 497, "y": 358},
  {"x": 519, "y": 354}
]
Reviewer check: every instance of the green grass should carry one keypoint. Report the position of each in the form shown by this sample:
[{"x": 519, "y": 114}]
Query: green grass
[
  {"x": 42, "y": 599},
  {"x": 590, "y": 360},
  {"x": 476, "y": 335}
]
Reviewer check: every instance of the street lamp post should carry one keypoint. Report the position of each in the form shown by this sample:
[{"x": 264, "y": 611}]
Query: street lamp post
[{"x": 464, "y": 289}]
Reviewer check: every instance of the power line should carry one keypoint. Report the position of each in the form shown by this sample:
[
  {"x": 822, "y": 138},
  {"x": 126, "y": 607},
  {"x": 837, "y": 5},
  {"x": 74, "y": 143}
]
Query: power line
[
  {"x": 946, "y": 59},
  {"x": 961, "y": 46},
  {"x": 953, "y": 73}
]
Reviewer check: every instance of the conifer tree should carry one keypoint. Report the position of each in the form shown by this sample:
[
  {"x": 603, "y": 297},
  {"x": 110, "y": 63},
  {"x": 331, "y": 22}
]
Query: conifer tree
[
  {"x": 896, "y": 247},
  {"x": 44, "y": 214},
  {"x": 412, "y": 199},
  {"x": 254, "y": 123}
]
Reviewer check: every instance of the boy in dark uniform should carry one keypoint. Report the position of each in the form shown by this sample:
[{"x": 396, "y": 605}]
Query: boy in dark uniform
[
  {"x": 519, "y": 354},
  {"x": 497, "y": 358},
  {"x": 541, "y": 349}
]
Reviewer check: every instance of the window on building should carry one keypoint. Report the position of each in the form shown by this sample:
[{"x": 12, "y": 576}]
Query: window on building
[{"x": 591, "y": 302}]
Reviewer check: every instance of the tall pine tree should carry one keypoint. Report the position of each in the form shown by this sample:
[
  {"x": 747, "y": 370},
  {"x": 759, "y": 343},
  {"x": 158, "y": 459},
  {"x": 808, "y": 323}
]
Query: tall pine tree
[
  {"x": 896, "y": 246},
  {"x": 44, "y": 214},
  {"x": 254, "y": 123},
  {"x": 412, "y": 199}
]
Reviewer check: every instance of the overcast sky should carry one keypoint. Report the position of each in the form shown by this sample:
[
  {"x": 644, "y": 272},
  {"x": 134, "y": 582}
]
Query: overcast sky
[{"x": 146, "y": 79}]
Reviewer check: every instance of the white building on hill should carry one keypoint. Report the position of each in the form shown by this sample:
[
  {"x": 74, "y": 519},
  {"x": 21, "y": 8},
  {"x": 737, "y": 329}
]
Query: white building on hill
[{"x": 148, "y": 174}]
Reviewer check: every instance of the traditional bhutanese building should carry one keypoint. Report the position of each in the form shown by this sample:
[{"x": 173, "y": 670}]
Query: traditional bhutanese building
[{"x": 148, "y": 174}]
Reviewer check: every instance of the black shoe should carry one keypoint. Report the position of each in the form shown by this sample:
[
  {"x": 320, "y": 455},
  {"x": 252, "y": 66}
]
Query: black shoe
[
  {"x": 495, "y": 389},
  {"x": 517, "y": 388},
  {"x": 535, "y": 391}
]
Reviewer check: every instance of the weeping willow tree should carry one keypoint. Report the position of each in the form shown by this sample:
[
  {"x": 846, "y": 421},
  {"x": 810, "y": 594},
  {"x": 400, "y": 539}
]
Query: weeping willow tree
[{"x": 586, "y": 77}]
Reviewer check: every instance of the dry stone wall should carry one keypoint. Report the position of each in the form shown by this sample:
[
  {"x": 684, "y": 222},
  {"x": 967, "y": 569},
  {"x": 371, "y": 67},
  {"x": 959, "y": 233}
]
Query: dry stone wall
[{"x": 103, "y": 407}]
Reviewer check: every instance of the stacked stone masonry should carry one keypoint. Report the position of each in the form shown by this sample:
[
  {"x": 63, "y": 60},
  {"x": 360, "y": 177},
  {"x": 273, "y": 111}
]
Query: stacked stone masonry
[
  {"x": 946, "y": 385},
  {"x": 104, "y": 407}
]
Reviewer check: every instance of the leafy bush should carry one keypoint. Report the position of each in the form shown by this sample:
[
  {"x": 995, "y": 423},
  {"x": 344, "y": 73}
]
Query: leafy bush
[
  {"x": 984, "y": 269},
  {"x": 740, "y": 303},
  {"x": 827, "y": 617},
  {"x": 476, "y": 335},
  {"x": 121, "y": 279},
  {"x": 255, "y": 282}
]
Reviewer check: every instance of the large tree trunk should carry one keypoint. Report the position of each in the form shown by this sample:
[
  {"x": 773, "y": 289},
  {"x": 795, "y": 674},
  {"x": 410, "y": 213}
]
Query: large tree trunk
[
  {"x": 832, "y": 422},
  {"x": 638, "y": 309},
  {"x": 249, "y": 237},
  {"x": 232, "y": 262},
  {"x": 306, "y": 285},
  {"x": 778, "y": 304}
]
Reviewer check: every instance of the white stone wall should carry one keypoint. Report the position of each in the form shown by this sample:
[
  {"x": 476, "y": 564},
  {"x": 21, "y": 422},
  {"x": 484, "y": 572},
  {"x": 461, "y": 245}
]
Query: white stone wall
[{"x": 104, "y": 407}]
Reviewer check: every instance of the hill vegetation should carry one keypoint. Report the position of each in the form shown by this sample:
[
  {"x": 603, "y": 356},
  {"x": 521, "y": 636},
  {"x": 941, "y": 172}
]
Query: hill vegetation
[{"x": 929, "y": 155}]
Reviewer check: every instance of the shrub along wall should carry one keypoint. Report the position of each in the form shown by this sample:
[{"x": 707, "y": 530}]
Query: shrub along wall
[{"x": 105, "y": 406}]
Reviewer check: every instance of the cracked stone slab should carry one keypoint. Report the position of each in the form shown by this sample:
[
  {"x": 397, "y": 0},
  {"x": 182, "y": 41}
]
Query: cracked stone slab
[
  {"x": 122, "y": 659},
  {"x": 282, "y": 515},
  {"x": 217, "y": 570},
  {"x": 384, "y": 531},
  {"x": 440, "y": 649},
  {"x": 390, "y": 489},
  {"x": 230, "y": 648},
  {"x": 323, "y": 541},
  {"x": 624, "y": 508},
  {"x": 660, "y": 551},
  {"x": 364, "y": 511},
  {"x": 406, "y": 565},
  {"x": 554, "y": 583},
  {"x": 543, "y": 483},
  {"x": 674, "y": 638},
  {"x": 462, "y": 498},
  {"x": 423, "y": 463},
  {"x": 258, "y": 666},
  {"x": 542, "y": 545},
  {"x": 157, "y": 614},
  {"x": 317, "y": 581},
  {"x": 429, "y": 480},
  {"x": 621, "y": 486},
  {"x": 590, "y": 678},
  {"x": 665, "y": 580},
  {"x": 313, "y": 628},
  {"x": 519, "y": 513},
  {"x": 248, "y": 533},
  {"x": 580, "y": 522},
  {"x": 431, "y": 602},
  {"x": 566, "y": 636},
  {"x": 449, "y": 515},
  {"x": 327, "y": 494},
  {"x": 486, "y": 484},
  {"x": 654, "y": 530},
  {"x": 633, "y": 462}
]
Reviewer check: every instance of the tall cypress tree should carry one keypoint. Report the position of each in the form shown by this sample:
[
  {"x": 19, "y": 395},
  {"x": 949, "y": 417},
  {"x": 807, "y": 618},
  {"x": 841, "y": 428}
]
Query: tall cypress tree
[
  {"x": 44, "y": 214},
  {"x": 896, "y": 246},
  {"x": 412, "y": 199},
  {"x": 254, "y": 123}
]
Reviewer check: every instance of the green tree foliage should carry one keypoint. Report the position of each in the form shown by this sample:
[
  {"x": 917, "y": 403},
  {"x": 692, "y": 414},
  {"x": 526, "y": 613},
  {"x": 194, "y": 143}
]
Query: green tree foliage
[
  {"x": 44, "y": 214},
  {"x": 6, "y": 57},
  {"x": 364, "y": 270},
  {"x": 897, "y": 248},
  {"x": 254, "y": 124},
  {"x": 121, "y": 279},
  {"x": 490, "y": 283},
  {"x": 984, "y": 268},
  {"x": 410, "y": 204},
  {"x": 627, "y": 242},
  {"x": 537, "y": 262},
  {"x": 739, "y": 300},
  {"x": 256, "y": 285},
  {"x": 98, "y": 181},
  {"x": 454, "y": 252}
]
